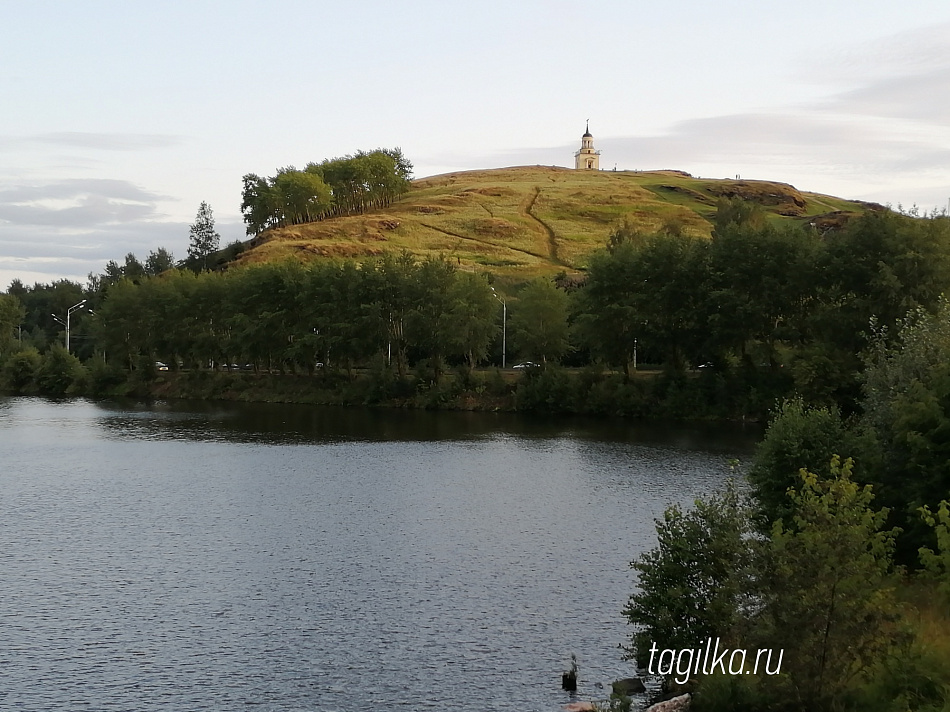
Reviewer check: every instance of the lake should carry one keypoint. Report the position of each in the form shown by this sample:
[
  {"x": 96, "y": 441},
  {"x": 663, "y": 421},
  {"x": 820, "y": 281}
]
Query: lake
[{"x": 197, "y": 556}]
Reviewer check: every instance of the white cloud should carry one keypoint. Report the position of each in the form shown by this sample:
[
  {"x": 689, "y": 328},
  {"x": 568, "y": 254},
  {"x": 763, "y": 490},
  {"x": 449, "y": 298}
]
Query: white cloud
[
  {"x": 77, "y": 203},
  {"x": 96, "y": 141},
  {"x": 885, "y": 136}
]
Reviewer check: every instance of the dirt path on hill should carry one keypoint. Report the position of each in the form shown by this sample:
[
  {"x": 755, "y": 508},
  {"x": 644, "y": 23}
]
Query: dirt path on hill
[
  {"x": 526, "y": 211},
  {"x": 482, "y": 242}
]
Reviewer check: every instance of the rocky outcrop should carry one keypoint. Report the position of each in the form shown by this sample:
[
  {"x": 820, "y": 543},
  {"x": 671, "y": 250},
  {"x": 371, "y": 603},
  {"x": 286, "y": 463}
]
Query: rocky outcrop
[{"x": 780, "y": 197}]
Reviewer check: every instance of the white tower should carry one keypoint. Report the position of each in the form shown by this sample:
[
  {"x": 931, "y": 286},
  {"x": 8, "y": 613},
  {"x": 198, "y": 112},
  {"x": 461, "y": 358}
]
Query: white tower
[{"x": 587, "y": 159}]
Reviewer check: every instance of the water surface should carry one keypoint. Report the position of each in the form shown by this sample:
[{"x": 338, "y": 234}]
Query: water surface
[{"x": 198, "y": 557}]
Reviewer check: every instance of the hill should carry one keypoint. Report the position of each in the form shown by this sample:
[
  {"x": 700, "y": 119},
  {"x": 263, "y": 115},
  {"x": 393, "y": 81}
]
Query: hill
[{"x": 529, "y": 220}]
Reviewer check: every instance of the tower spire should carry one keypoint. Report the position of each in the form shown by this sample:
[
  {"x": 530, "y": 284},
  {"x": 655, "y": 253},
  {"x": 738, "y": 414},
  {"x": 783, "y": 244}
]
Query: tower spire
[{"x": 588, "y": 158}]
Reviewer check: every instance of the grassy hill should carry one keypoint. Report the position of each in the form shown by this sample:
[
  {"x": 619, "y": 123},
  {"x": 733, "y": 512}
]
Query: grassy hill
[{"x": 529, "y": 220}]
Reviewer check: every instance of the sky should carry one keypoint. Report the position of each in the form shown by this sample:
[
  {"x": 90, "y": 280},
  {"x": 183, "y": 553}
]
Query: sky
[{"x": 117, "y": 119}]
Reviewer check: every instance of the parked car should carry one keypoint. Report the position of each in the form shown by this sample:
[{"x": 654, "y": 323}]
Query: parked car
[
  {"x": 161, "y": 366},
  {"x": 526, "y": 364}
]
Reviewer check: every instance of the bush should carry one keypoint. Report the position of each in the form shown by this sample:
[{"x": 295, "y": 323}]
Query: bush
[
  {"x": 801, "y": 437},
  {"x": 59, "y": 372},
  {"x": 382, "y": 384},
  {"x": 692, "y": 585},
  {"x": 727, "y": 693},
  {"x": 549, "y": 390},
  {"x": 829, "y": 598},
  {"x": 19, "y": 371}
]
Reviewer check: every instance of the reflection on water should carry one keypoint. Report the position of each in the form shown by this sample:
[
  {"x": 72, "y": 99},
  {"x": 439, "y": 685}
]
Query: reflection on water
[
  {"x": 270, "y": 422},
  {"x": 208, "y": 556}
]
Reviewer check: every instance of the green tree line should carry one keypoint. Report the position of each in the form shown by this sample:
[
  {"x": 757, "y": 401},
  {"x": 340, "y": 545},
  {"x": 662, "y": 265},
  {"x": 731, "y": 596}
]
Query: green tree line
[
  {"x": 337, "y": 186},
  {"x": 290, "y": 316},
  {"x": 757, "y": 312}
]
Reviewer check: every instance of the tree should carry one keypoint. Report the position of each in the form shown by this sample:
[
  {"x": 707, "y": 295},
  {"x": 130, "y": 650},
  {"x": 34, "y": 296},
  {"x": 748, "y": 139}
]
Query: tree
[
  {"x": 431, "y": 325},
  {"x": 133, "y": 269},
  {"x": 203, "y": 239},
  {"x": 818, "y": 589},
  {"x": 158, "y": 261},
  {"x": 304, "y": 197},
  {"x": 12, "y": 314},
  {"x": 609, "y": 320},
  {"x": 19, "y": 371},
  {"x": 907, "y": 404},
  {"x": 259, "y": 204},
  {"x": 829, "y": 604},
  {"x": 539, "y": 328},
  {"x": 880, "y": 265},
  {"x": 800, "y": 436},
  {"x": 58, "y": 371},
  {"x": 759, "y": 285},
  {"x": 937, "y": 563},
  {"x": 692, "y": 585},
  {"x": 389, "y": 285},
  {"x": 475, "y": 313},
  {"x": 669, "y": 281}
]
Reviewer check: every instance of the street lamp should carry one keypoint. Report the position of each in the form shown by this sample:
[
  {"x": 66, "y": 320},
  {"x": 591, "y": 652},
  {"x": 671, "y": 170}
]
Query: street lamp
[
  {"x": 504, "y": 326},
  {"x": 69, "y": 313}
]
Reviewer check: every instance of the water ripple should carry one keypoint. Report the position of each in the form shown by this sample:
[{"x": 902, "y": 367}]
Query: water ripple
[{"x": 162, "y": 559}]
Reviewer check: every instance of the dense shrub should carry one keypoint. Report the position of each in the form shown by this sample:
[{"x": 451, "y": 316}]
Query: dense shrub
[
  {"x": 104, "y": 378},
  {"x": 19, "y": 371},
  {"x": 59, "y": 373}
]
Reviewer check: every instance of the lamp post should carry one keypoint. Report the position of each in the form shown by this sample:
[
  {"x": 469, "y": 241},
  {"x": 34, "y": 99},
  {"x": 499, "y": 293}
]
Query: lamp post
[
  {"x": 69, "y": 313},
  {"x": 504, "y": 326}
]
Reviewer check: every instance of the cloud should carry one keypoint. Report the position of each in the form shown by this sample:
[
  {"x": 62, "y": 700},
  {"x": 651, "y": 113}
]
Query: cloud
[
  {"x": 909, "y": 53},
  {"x": 810, "y": 139},
  {"x": 77, "y": 203},
  {"x": 43, "y": 253},
  {"x": 97, "y": 141},
  {"x": 883, "y": 132},
  {"x": 920, "y": 97}
]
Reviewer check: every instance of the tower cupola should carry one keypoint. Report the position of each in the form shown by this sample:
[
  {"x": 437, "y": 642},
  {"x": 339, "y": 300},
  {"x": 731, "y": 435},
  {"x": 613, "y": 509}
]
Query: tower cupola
[{"x": 587, "y": 159}]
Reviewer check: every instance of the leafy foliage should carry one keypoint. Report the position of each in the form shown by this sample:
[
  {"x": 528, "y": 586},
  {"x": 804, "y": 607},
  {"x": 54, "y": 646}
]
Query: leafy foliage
[
  {"x": 12, "y": 314},
  {"x": 204, "y": 240},
  {"x": 19, "y": 371},
  {"x": 539, "y": 327},
  {"x": 937, "y": 563},
  {"x": 693, "y": 585},
  {"x": 58, "y": 372},
  {"x": 338, "y": 186},
  {"x": 819, "y": 589},
  {"x": 830, "y": 604},
  {"x": 799, "y": 437},
  {"x": 907, "y": 403}
]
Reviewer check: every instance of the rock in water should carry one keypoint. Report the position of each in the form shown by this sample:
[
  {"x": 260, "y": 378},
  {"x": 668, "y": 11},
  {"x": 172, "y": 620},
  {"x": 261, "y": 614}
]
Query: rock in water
[{"x": 629, "y": 686}]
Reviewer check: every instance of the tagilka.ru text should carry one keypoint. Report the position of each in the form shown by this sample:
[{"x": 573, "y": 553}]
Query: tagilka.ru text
[{"x": 688, "y": 662}]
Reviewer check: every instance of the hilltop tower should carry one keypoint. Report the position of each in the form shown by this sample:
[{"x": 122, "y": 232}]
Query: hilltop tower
[{"x": 587, "y": 159}]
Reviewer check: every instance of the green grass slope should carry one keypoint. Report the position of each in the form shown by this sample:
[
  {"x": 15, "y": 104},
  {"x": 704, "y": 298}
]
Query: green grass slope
[{"x": 530, "y": 220}]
